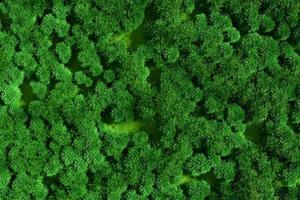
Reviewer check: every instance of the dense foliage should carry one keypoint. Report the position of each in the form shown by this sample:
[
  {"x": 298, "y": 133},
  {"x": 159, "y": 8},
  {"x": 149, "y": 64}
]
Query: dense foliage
[{"x": 150, "y": 99}]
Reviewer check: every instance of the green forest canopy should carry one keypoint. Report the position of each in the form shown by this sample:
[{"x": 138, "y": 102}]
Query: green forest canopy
[{"x": 150, "y": 99}]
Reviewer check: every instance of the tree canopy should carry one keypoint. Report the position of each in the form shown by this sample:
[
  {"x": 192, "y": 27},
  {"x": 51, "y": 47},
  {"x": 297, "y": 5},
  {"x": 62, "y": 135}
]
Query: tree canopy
[{"x": 150, "y": 99}]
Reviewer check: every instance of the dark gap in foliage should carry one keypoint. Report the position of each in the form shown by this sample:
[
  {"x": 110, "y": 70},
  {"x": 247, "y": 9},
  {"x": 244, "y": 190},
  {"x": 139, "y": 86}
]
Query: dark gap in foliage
[
  {"x": 111, "y": 159},
  {"x": 238, "y": 51},
  {"x": 197, "y": 43},
  {"x": 84, "y": 89},
  {"x": 228, "y": 157},
  {"x": 155, "y": 73},
  {"x": 294, "y": 39},
  {"x": 264, "y": 6},
  {"x": 47, "y": 123},
  {"x": 268, "y": 71},
  {"x": 253, "y": 132},
  {"x": 74, "y": 135},
  {"x": 135, "y": 106},
  {"x": 138, "y": 36},
  {"x": 87, "y": 89},
  {"x": 48, "y": 143},
  {"x": 72, "y": 19},
  {"x": 71, "y": 126},
  {"x": 202, "y": 7},
  {"x": 55, "y": 40},
  {"x": 226, "y": 36},
  {"x": 27, "y": 94},
  {"x": 291, "y": 119},
  {"x": 217, "y": 69},
  {"x": 1, "y": 102},
  {"x": 94, "y": 38},
  {"x": 121, "y": 25},
  {"x": 271, "y": 33},
  {"x": 95, "y": 81},
  {"x": 285, "y": 62},
  {"x": 36, "y": 58},
  {"x": 201, "y": 148},
  {"x": 152, "y": 128},
  {"x": 284, "y": 192},
  {"x": 11, "y": 181},
  {"x": 5, "y": 21},
  {"x": 52, "y": 84},
  {"x": 91, "y": 179},
  {"x": 154, "y": 77},
  {"x": 150, "y": 14},
  {"x": 235, "y": 183},
  {"x": 207, "y": 59},
  {"x": 177, "y": 138},
  {"x": 125, "y": 152},
  {"x": 235, "y": 19},
  {"x": 138, "y": 189},
  {"x": 165, "y": 150},
  {"x": 184, "y": 53},
  {"x": 106, "y": 115},
  {"x": 8, "y": 161},
  {"x": 39, "y": 20},
  {"x": 226, "y": 10},
  {"x": 48, "y": 7},
  {"x": 200, "y": 109},
  {"x": 226, "y": 111},
  {"x": 204, "y": 112},
  {"x": 151, "y": 197},
  {"x": 233, "y": 128},
  {"x": 73, "y": 64},
  {"x": 155, "y": 133},
  {"x": 235, "y": 99},
  {"x": 124, "y": 195},
  {"x": 50, "y": 182},
  {"x": 239, "y": 25},
  {"x": 238, "y": 100},
  {"x": 298, "y": 49},
  {"x": 248, "y": 115},
  {"x": 47, "y": 11},
  {"x": 196, "y": 80},
  {"x": 131, "y": 187},
  {"x": 18, "y": 47},
  {"x": 114, "y": 65},
  {"x": 108, "y": 76},
  {"x": 256, "y": 165},
  {"x": 104, "y": 60},
  {"x": 112, "y": 68}
]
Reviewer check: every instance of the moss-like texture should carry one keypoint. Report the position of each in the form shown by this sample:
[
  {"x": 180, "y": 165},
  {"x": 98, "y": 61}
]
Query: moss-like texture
[{"x": 150, "y": 99}]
